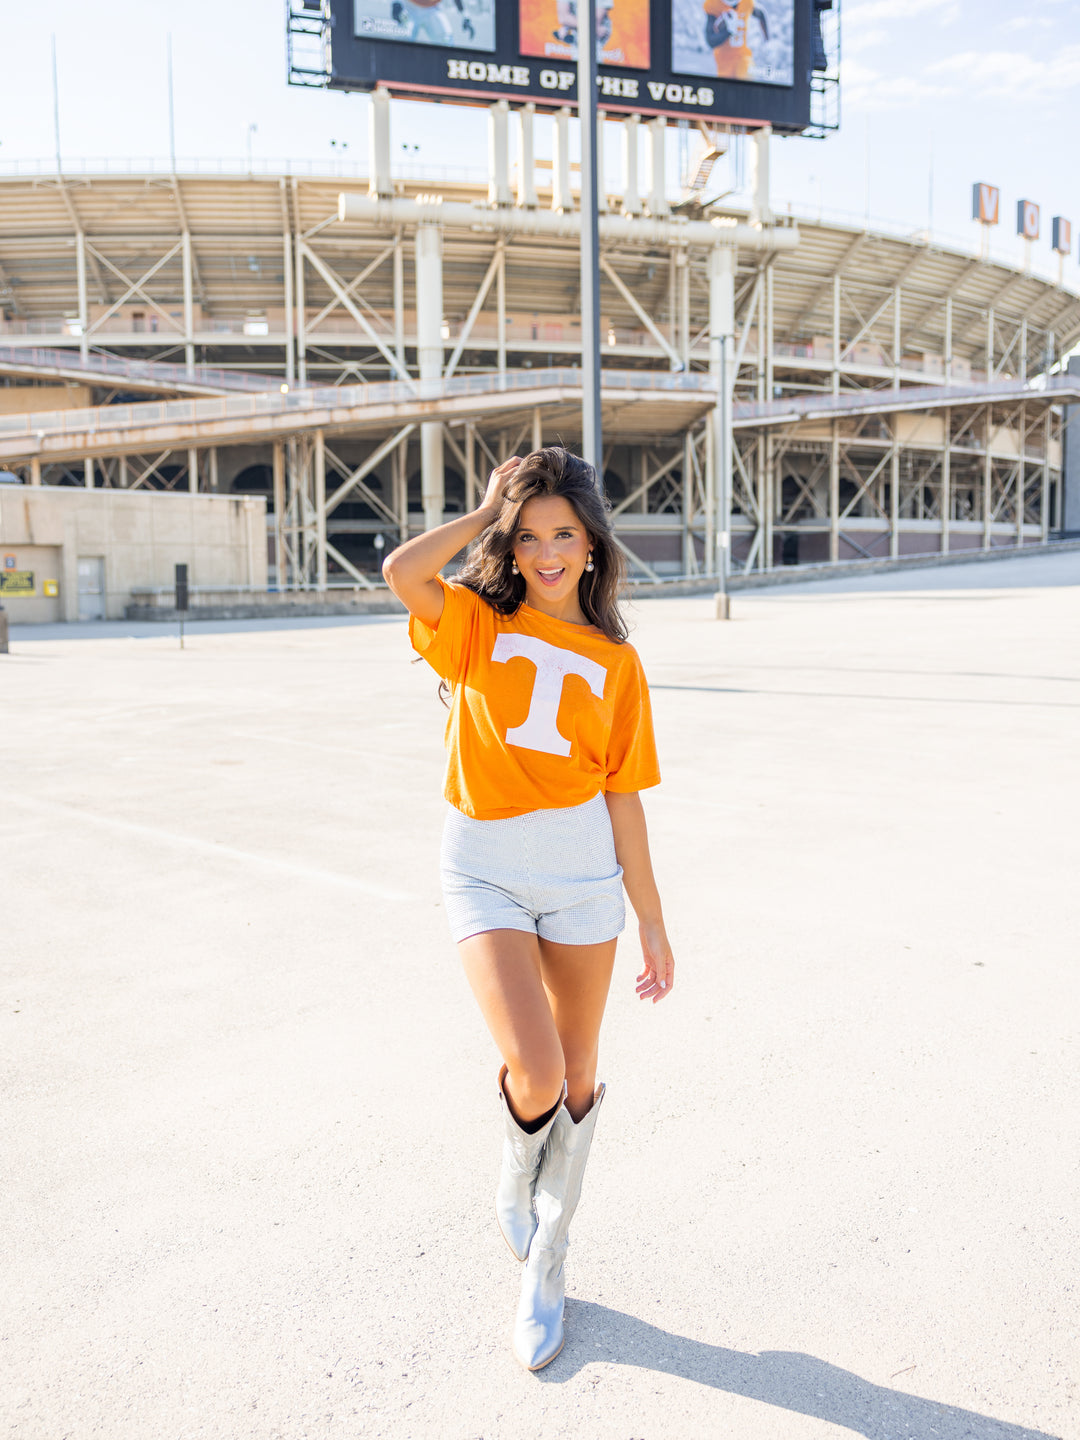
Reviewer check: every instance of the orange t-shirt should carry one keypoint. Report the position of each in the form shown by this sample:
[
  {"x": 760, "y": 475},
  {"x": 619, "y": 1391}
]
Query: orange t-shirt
[{"x": 543, "y": 714}]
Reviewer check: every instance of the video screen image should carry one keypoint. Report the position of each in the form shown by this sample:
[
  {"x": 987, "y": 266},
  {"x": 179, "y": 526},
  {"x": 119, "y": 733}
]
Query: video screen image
[
  {"x": 463, "y": 24},
  {"x": 548, "y": 30},
  {"x": 734, "y": 39}
]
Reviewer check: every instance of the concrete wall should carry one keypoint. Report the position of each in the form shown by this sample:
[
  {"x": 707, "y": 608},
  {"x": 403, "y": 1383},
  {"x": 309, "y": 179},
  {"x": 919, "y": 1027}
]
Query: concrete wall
[
  {"x": 139, "y": 535},
  {"x": 29, "y": 399}
]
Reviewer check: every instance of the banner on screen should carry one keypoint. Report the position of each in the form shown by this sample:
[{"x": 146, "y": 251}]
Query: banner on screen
[
  {"x": 728, "y": 61},
  {"x": 459, "y": 24},
  {"x": 734, "y": 39},
  {"x": 547, "y": 30}
]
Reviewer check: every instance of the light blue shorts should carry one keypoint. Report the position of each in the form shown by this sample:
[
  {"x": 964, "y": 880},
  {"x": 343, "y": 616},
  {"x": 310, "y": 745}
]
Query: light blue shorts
[{"x": 550, "y": 872}]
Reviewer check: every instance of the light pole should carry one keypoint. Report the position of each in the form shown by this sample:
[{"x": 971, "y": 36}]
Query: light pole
[{"x": 592, "y": 441}]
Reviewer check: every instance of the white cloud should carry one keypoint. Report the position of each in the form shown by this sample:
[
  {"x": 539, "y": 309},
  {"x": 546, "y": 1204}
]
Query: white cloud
[
  {"x": 878, "y": 12},
  {"x": 867, "y": 89},
  {"x": 862, "y": 40},
  {"x": 1028, "y": 22},
  {"x": 1010, "y": 72}
]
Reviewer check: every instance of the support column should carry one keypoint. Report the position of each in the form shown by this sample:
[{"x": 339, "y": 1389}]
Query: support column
[
  {"x": 429, "y": 345},
  {"x": 1021, "y": 477},
  {"x": 948, "y": 340},
  {"x": 399, "y": 301},
  {"x": 400, "y": 476},
  {"x": 537, "y": 429},
  {"x": 770, "y": 326},
  {"x": 682, "y": 271},
  {"x": 1045, "y": 516},
  {"x": 762, "y": 331},
  {"x": 834, "y": 493},
  {"x": 84, "y": 307},
  {"x": 894, "y": 494},
  {"x": 836, "y": 335},
  {"x": 213, "y": 479},
  {"x": 946, "y": 483},
  {"x": 561, "y": 198},
  {"x": 280, "y": 565},
  {"x": 320, "y": 509},
  {"x": 301, "y": 320},
  {"x": 193, "y": 470},
  {"x": 526, "y": 180},
  {"x": 499, "y": 192},
  {"x": 380, "y": 186},
  {"x": 767, "y": 490},
  {"x": 500, "y": 309},
  {"x": 88, "y": 474},
  {"x": 631, "y": 186},
  {"x": 760, "y": 208},
  {"x": 189, "y": 306},
  {"x": 471, "y": 497},
  {"x": 718, "y": 478},
  {"x": 657, "y": 132},
  {"x": 290, "y": 316},
  {"x": 689, "y": 558},
  {"x": 601, "y": 184},
  {"x": 988, "y": 482}
]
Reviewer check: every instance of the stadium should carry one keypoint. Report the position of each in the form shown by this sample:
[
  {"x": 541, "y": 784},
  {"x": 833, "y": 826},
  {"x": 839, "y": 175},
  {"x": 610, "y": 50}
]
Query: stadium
[{"x": 359, "y": 350}]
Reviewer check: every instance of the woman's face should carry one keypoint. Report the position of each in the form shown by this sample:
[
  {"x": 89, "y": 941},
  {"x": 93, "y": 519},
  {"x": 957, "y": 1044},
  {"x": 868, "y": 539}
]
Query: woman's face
[{"x": 551, "y": 546}]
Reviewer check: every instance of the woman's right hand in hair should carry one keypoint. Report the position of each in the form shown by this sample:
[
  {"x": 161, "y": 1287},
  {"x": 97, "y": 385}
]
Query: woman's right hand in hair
[
  {"x": 497, "y": 483},
  {"x": 412, "y": 569}
]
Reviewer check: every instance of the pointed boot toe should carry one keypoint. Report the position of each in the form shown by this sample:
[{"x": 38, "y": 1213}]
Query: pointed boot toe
[{"x": 538, "y": 1328}]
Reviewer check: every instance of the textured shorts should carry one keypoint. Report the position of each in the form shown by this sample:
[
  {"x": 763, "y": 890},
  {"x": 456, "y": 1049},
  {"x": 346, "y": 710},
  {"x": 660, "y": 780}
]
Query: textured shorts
[{"x": 550, "y": 872}]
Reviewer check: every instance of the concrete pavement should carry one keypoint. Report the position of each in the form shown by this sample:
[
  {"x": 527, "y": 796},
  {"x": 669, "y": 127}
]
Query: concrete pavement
[{"x": 250, "y": 1130}]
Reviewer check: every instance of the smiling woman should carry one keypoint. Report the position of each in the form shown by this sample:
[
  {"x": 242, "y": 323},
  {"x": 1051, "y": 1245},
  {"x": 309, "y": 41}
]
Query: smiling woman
[{"x": 550, "y": 740}]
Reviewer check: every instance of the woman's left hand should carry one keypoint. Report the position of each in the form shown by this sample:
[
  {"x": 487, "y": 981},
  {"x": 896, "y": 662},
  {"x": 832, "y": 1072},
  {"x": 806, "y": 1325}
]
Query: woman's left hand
[{"x": 658, "y": 976}]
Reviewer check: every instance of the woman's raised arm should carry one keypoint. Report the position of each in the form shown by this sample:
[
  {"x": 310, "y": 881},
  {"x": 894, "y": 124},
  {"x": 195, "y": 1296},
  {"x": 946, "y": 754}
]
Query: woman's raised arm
[{"x": 410, "y": 570}]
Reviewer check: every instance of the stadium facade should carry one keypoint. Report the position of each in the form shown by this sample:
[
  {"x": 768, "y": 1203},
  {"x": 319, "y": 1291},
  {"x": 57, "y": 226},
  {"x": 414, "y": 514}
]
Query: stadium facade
[{"x": 360, "y": 352}]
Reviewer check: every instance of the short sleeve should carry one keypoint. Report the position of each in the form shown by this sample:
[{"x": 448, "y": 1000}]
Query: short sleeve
[
  {"x": 632, "y": 760},
  {"x": 445, "y": 647}
]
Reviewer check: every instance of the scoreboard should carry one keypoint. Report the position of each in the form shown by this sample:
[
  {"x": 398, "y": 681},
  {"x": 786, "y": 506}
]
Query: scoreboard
[{"x": 746, "y": 62}]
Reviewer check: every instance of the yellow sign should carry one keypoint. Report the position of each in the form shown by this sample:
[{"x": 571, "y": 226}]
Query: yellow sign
[
  {"x": 16, "y": 582},
  {"x": 50, "y": 589}
]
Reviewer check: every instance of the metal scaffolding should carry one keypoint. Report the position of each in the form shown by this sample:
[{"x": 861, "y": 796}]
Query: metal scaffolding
[{"x": 406, "y": 336}]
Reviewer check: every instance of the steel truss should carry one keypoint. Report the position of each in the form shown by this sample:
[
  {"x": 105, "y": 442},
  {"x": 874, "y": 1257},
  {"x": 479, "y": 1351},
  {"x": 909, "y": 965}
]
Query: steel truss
[{"x": 265, "y": 277}]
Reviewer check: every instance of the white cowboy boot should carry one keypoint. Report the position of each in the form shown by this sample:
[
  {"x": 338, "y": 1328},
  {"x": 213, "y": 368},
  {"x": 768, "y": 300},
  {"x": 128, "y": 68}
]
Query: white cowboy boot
[
  {"x": 521, "y": 1157},
  {"x": 538, "y": 1330}
]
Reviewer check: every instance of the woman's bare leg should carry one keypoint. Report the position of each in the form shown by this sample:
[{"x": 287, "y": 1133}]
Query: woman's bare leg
[
  {"x": 503, "y": 969},
  {"x": 577, "y": 979}
]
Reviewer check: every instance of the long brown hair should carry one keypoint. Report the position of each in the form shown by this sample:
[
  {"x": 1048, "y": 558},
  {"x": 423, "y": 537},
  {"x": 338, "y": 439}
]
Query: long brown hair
[{"x": 551, "y": 471}]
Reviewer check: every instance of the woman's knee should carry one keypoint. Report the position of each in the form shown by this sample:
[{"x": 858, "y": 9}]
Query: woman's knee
[{"x": 535, "y": 1080}]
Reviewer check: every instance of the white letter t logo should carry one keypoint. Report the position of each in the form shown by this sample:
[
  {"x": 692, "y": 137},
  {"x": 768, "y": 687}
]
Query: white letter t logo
[{"x": 539, "y": 731}]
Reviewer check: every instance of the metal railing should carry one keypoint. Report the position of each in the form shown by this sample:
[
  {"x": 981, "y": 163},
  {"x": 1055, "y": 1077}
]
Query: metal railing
[
  {"x": 344, "y": 397},
  {"x": 115, "y": 368},
  {"x": 910, "y": 397}
]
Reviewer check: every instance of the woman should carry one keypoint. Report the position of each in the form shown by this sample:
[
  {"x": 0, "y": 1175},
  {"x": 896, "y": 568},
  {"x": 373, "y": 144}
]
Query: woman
[{"x": 550, "y": 739}]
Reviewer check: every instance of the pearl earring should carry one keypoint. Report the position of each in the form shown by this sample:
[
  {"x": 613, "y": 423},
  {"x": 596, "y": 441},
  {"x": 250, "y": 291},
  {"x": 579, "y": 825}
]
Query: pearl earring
[
  {"x": 589, "y": 566},
  {"x": 513, "y": 568}
]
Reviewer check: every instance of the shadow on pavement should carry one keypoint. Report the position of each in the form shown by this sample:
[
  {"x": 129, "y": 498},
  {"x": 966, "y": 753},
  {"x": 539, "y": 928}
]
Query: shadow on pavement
[{"x": 789, "y": 1380}]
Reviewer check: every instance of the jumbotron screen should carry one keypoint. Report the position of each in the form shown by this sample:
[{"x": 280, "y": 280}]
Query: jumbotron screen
[{"x": 745, "y": 61}]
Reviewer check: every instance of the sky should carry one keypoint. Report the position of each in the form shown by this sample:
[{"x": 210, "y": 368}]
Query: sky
[{"x": 936, "y": 95}]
